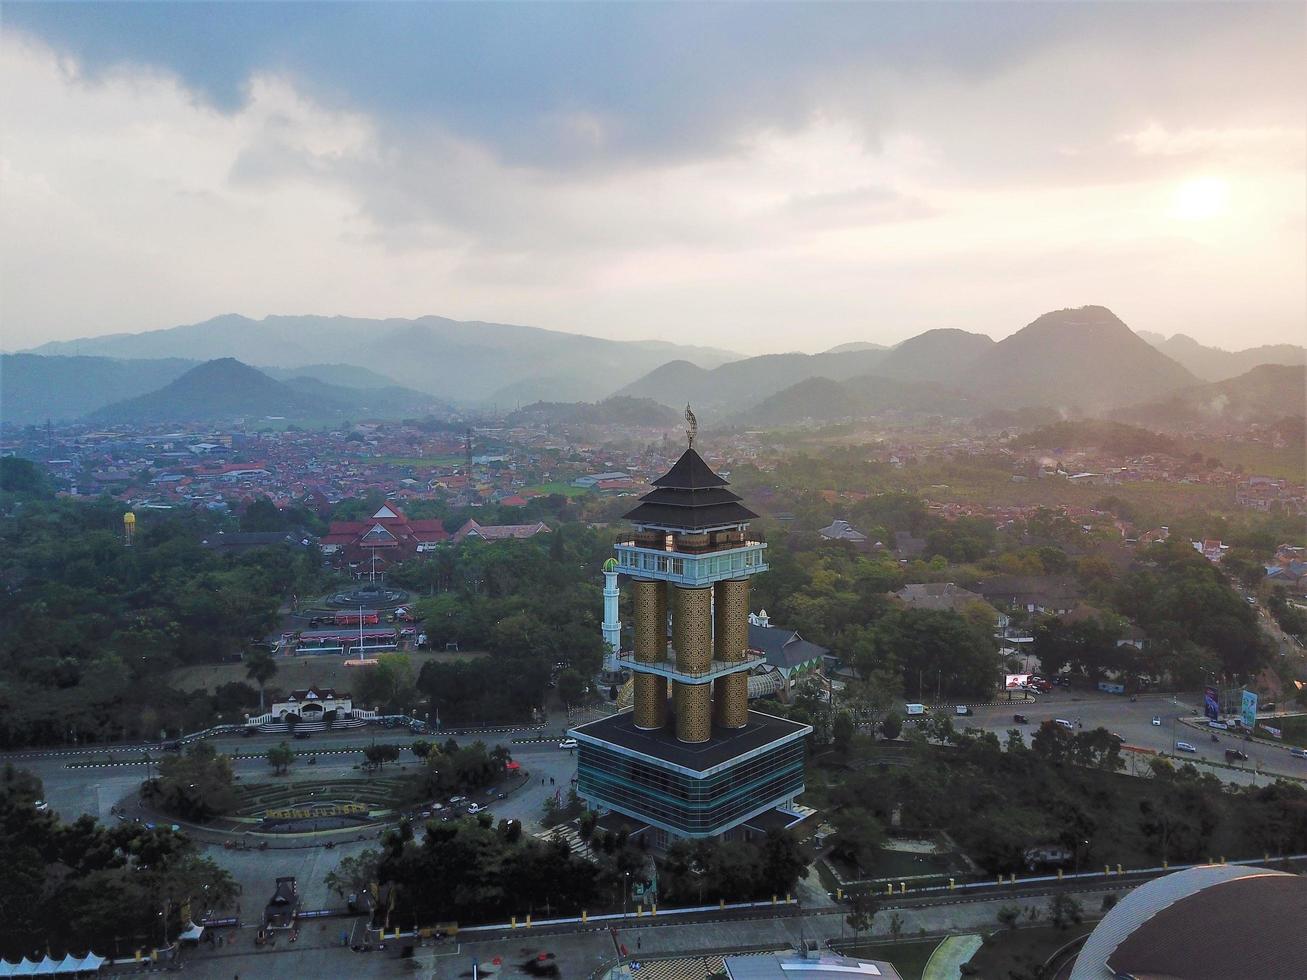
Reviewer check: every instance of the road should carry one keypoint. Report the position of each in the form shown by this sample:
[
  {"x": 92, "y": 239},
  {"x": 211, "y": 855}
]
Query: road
[
  {"x": 582, "y": 952},
  {"x": 1132, "y": 720}
]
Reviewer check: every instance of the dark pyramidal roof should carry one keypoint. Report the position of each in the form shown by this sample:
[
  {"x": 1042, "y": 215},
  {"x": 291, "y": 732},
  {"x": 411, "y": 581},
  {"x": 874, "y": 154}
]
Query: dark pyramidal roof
[{"x": 691, "y": 497}]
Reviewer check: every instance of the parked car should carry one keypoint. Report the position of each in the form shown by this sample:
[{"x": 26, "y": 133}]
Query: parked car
[
  {"x": 1063, "y": 722},
  {"x": 1218, "y": 724},
  {"x": 1185, "y": 747},
  {"x": 475, "y": 808},
  {"x": 302, "y": 735},
  {"x": 567, "y": 743},
  {"x": 962, "y": 709},
  {"x": 1298, "y": 753},
  {"x": 456, "y": 799},
  {"x": 41, "y": 806},
  {"x": 1157, "y": 720},
  {"x": 1234, "y": 755},
  {"x": 1118, "y": 736},
  {"x": 1020, "y": 720}
]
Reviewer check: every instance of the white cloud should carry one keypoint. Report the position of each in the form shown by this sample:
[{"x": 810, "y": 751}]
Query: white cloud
[{"x": 127, "y": 204}]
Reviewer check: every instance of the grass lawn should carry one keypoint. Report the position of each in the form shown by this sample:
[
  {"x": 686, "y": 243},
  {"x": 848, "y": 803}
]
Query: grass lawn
[
  {"x": 1023, "y": 949},
  {"x": 909, "y": 958},
  {"x": 1257, "y": 458},
  {"x": 905, "y": 864},
  {"x": 297, "y": 672},
  {"x": 564, "y": 489},
  {"x": 1294, "y": 729}
]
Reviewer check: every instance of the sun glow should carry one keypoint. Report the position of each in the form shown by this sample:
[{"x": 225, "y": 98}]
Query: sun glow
[{"x": 1201, "y": 199}]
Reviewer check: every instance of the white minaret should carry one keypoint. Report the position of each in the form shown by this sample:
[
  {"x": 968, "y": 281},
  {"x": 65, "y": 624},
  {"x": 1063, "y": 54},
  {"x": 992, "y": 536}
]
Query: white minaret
[{"x": 612, "y": 626}]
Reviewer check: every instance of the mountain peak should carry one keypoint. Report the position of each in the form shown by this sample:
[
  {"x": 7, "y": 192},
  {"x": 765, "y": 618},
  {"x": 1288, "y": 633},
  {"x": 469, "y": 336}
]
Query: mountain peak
[{"x": 1098, "y": 320}]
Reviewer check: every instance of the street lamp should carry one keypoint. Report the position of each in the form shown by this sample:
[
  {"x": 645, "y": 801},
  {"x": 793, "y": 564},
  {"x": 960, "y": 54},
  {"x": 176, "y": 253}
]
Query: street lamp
[{"x": 626, "y": 886}]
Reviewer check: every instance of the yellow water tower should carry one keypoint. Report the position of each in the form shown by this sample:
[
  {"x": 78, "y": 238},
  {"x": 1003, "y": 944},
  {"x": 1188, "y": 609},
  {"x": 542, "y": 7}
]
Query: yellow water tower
[{"x": 129, "y": 528}]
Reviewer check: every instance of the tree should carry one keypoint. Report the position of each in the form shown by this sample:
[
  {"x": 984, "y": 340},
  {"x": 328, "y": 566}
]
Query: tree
[
  {"x": 862, "y": 912},
  {"x": 354, "y": 875},
  {"x": 892, "y": 725},
  {"x": 842, "y": 731},
  {"x": 379, "y": 755},
  {"x": 960, "y": 657},
  {"x": 422, "y": 748},
  {"x": 280, "y": 757},
  {"x": 260, "y": 668},
  {"x": 196, "y": 785},
  {"x": 1064, "y": 911},
  {"x": 896, "y": 926},
  {"x": 572, "y": 686},
  {"x": 389, "y": 684},
  {"x": 782, "y": 863},
  {"x": 859, "y": 836},
  {"x": 1009, "y": 915}
]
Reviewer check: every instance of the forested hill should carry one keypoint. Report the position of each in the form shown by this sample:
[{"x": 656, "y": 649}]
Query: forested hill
[
  {"x": 1113, "y": 437},
  {"x": 227, "y": 389},
  {"x": 1265, "y": 394}
]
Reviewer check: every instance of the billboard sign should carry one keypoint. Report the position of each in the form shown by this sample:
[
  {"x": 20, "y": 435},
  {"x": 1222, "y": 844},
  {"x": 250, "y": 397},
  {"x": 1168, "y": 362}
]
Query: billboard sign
[
  {"x": 1211, "y": 703},
  {"x": 1248, "y": 710}
]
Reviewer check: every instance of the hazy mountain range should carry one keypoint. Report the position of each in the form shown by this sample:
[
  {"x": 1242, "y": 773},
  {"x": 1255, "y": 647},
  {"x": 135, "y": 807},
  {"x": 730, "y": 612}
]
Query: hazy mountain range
[
  {"x": 1081, "y": 361},
  {"x": 465, "y": 361},
  {"x": 225, "y": 389},
  {"x": 1214, "y": 364},
  {"x": 1078, "y": 362},
  {"x": 1266, "y": 393}
]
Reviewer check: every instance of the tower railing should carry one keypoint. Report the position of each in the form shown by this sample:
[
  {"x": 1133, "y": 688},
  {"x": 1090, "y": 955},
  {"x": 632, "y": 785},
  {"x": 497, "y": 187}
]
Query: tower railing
[{"x": 713, "y": 669}]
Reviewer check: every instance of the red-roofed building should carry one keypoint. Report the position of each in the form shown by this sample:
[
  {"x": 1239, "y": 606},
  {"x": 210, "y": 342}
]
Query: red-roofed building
[
  {"x": 387, "y": 536},
  {"x": 498, "y": 532}
]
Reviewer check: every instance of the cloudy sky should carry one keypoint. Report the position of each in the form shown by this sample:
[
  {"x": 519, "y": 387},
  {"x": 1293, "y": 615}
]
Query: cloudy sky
[{"x": 759, "y": 177}]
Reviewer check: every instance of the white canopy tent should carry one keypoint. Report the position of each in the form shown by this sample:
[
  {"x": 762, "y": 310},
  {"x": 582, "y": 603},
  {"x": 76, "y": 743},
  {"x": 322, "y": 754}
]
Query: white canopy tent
[{"x": 49, "y": 967}]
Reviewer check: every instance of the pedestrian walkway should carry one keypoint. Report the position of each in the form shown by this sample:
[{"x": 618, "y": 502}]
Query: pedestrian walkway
[
  {"x": 690, "y": 968},
  {"x": 570, "y": 836},
  {"x": 949, "y": 956}
]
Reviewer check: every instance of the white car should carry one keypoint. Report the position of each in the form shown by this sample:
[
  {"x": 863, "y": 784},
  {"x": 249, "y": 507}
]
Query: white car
[
  {"x": 41, "y": 806},
  {"x": 1296, "y": 753},
  {"x": 1185, "y": 747},
  {"x": 475, "y": 808},
  {"x": 456, "y": 799},
  {"x": 1157, "y": 720},
  {"x": 567, "y": 743}
]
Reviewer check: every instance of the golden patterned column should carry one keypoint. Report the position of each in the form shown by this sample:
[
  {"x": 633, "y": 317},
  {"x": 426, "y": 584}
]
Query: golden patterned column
[
  {"x": 650, "y": 695},
  {"x": 662, "y": 620},
  {"x": 692, "y": 640},
  {"x": 692, "y": 629},
  {"x": 650, "y": 701},
  {"x": 731, "y": 619},
  {"x": 730, "y": 640},
  {"x": 693, "y": 711},
  {"x": 644, "y": 606}
]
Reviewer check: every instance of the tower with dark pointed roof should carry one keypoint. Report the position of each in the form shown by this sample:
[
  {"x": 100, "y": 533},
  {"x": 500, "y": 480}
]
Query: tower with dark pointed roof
[{"x": 689, "y": 558}]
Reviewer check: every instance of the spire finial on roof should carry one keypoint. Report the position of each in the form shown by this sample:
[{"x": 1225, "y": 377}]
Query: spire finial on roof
[{"x": 692, "y": 425}]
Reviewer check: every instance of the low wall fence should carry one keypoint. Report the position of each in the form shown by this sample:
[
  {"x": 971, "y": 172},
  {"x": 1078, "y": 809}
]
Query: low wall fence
[{"x": 609, "y": 919}]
